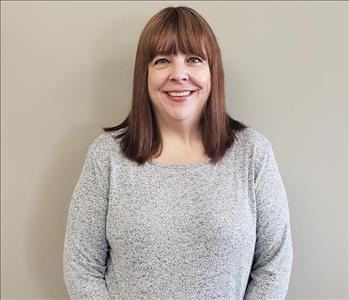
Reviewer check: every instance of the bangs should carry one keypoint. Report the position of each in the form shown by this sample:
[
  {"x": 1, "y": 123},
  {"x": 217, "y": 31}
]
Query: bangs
[{"x": 177, "y": 32}]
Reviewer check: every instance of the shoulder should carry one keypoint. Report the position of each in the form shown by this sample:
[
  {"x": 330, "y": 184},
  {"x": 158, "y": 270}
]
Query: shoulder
[
  {"x": 103, "y": 145},
  {"x": 253, "y": 140}
]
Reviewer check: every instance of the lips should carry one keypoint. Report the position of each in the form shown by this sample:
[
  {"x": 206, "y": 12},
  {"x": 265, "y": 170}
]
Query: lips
[
  {"x": 190, "y": 92},
  {"x": 179, "y": 99},
  {"x": 181, "y": 90}
]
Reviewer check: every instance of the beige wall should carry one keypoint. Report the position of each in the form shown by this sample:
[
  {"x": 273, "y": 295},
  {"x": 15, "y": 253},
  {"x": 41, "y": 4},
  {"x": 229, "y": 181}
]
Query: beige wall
[{"x": 66, "y": 71}]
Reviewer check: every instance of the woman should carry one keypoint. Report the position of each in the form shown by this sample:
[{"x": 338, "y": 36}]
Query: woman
[{"x": 179, "y": 201}]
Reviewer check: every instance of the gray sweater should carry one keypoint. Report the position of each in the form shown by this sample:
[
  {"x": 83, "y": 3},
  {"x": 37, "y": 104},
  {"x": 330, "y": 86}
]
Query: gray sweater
[{"x": 181, "y": 232}]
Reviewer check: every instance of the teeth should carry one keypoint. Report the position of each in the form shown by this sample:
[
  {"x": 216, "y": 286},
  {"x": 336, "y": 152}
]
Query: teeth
[{"x": 179, "y": 94}]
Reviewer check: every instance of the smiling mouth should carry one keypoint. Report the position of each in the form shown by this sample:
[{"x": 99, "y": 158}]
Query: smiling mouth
[
  {"x": 179, "y": 93},
  {"x": 179, "y": 97}
]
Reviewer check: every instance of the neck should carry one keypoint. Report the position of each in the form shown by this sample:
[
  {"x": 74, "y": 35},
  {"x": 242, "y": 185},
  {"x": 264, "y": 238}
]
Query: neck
[{"x": 181, "y": 136}]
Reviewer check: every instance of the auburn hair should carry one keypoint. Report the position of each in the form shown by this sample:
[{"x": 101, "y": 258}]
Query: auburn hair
[{"x": 172, "y": 29}]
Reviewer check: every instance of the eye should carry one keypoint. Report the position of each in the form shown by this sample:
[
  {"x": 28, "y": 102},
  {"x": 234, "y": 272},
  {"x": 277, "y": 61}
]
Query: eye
[
  {"x": 160, "y": 60},
  {"x": 195, "y": 58}
]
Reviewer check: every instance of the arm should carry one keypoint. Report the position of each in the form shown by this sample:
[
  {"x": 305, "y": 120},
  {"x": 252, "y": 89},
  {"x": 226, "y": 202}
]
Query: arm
[
  {"x": 273, "y": 255},
  {"x": 85, "y": 246}
]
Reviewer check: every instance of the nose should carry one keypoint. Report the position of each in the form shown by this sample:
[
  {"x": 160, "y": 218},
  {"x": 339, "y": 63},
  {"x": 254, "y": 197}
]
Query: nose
[{"x": 178, "y": 72}]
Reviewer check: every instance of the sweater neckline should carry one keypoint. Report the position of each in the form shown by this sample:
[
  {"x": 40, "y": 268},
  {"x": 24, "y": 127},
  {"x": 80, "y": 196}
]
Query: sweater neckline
[{"x": 180, "y": 166}]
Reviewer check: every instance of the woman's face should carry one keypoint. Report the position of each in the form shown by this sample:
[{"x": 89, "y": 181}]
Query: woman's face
[{"x": 189, "y": 76}]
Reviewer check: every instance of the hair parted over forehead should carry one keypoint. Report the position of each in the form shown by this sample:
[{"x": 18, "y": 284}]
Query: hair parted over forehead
[
  {"x": 173, "y": 30},
  {"x": 177, "y": 28}
]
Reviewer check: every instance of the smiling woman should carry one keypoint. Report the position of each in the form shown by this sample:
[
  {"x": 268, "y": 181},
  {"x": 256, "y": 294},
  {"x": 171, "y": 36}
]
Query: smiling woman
[
  {"x": 208, "y": 218},
  {"x": 177, "y": 52}
]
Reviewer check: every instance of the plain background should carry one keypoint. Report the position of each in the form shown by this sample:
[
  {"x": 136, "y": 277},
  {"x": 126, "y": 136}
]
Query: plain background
[{"x": 66, "y": 72}]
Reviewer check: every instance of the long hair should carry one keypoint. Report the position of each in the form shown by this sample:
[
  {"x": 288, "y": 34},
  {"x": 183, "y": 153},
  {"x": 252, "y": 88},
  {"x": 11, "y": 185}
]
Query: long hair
[{"x": 172, "y": 29}]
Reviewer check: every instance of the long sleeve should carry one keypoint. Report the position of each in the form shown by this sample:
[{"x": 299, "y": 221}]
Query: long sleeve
[
  {"x": 273, "y": 256},
  {"x": 85, "y": 246}
]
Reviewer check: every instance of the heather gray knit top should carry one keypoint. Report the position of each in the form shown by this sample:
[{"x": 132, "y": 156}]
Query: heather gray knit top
[{"x": 198, "y": 231}]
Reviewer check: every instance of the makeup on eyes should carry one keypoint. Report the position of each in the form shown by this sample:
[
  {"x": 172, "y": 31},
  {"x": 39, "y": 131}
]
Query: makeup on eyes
[{"x": 156, "y": 60}]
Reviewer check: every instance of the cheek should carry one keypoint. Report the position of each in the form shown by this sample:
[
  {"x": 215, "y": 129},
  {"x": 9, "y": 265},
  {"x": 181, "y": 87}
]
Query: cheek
[
  {"x": 154, "y": 86},
  {"x": 203, "y": 78},
  {"x": 206, "y": 83},
  {"x": 150, "y": 80},
  {"x": 209, "y": 84},
  {"x": 208, "y": 78},
  {"x": 155, "y": 80}
]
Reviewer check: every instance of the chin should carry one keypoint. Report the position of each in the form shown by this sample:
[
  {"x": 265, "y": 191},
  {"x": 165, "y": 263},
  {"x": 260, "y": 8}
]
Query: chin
[{"x": 180, "y": 116}]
